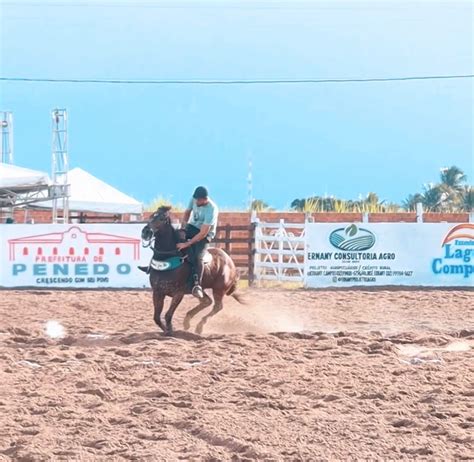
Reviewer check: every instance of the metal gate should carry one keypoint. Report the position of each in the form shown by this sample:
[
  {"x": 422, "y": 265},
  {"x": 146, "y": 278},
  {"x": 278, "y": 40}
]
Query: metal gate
[{"x": 279, "y": 251}]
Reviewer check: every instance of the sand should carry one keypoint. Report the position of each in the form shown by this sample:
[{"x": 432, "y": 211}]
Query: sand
[{"x": 293, "y": 375}]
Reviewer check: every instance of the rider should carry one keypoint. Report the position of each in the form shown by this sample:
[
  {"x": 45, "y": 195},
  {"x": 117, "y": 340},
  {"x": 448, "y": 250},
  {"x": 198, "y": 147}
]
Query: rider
[{"x": 200, "y": 223}]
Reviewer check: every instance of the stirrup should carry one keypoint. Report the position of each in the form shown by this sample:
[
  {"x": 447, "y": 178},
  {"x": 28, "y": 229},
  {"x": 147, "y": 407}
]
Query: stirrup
[{"x": 198, "y": 292}]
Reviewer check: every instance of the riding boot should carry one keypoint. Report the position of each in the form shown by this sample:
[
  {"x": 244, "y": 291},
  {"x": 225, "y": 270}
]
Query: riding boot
[
  {"x": 198, "y": 292},
  {"x": 146, "y": 269},
  {"x": 197, "y": 277}
]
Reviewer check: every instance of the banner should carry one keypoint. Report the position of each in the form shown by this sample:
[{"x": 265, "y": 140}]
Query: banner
[
  {"x": 381, "y": 254},
  {"x": 72, "y": 256}
]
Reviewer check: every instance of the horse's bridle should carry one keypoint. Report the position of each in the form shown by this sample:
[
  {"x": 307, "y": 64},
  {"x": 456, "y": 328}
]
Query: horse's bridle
[{"x": 149, "y": 236}]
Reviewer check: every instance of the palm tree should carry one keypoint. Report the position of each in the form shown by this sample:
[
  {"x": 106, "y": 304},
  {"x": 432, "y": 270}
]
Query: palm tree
[
  {"x": 259, "y": 206},
  {"x": 311, "y": 205},
  {"x": 372, "y": 203},
  {"x": 372, "y": 199},
  {"x": 452, "y": 184},
  {"x": 409, "y": 204},
  {"x": 453, "y": 178},
  {"x": 434, "y": 198},
  {"x": 298, "y": 204},
  {"x": 466, "y": 203},
  {"x": 160, "y": 201}
]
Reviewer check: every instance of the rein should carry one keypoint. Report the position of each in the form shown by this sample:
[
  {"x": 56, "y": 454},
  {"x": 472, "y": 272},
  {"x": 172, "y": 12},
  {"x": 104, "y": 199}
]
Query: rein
[{"x": 149, "y": 243}]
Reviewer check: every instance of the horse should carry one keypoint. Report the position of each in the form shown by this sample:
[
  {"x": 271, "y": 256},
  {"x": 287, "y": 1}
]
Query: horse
[{"x": 170, "y": 273}]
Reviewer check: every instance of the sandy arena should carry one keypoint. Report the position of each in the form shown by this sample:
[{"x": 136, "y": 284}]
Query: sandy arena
[{"x": 294, "y": 375}]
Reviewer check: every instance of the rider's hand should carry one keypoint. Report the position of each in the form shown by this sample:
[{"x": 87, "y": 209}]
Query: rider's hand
[{"x": 182, "y": 245}]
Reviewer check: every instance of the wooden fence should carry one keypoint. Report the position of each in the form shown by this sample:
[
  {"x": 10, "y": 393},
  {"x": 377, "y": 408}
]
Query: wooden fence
[
  {"x": 239, "y": 242},
  {"x": 264, "y": 251}
]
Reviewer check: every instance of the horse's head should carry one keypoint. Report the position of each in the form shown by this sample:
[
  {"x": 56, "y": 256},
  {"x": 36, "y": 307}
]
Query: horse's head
[{"x": 157, "y": 221}]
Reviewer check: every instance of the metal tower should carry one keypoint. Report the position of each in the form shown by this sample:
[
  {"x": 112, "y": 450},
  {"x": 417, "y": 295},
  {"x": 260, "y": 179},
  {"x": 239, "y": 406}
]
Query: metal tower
[
  {"x": 6, "y": 146},
  {"x": 60, "y": 166}
]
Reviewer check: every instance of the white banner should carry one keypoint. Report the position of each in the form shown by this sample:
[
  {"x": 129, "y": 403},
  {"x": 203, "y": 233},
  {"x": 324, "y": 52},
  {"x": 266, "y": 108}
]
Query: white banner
[
  {"x": 379, "y": 254},
  {"x": 72, "y": 256}
]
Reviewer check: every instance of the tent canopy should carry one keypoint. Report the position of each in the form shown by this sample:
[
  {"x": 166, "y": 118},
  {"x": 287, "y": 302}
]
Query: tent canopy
[
  {"x": 21, "y": 179},
  {"x": 89, "y": 194}
]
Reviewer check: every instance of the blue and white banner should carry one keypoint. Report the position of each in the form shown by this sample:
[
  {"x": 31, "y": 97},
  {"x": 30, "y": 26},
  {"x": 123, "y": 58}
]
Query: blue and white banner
[
  {"x": 386, "y": 254},
  {"x": 72, "y": 256}
]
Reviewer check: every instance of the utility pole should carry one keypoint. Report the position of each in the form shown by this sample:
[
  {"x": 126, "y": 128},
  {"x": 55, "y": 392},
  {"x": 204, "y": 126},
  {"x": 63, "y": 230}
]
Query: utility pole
[{"x": 250, "y": 184}]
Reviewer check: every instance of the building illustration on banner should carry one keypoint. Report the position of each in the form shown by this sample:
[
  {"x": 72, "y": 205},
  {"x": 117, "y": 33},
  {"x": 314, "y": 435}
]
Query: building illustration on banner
[{"x": 73, "y": 243}]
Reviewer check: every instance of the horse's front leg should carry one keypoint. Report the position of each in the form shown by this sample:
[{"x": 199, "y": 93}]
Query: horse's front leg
[
  {"x": 158, "y": 302},
  {"x": 175, "y": 301}
]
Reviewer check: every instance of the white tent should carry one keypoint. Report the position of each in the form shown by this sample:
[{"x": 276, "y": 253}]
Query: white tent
[
  {"x": 89, "y": 194},
  {"x": 19, "y": 178}
]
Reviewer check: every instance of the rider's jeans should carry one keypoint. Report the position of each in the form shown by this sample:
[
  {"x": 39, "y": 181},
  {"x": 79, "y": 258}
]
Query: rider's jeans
[{"x": 196, "y": 253}]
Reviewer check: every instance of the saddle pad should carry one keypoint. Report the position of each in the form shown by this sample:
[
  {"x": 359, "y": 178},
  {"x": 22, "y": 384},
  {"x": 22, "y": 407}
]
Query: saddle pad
[{"x": 166, "y": 265}]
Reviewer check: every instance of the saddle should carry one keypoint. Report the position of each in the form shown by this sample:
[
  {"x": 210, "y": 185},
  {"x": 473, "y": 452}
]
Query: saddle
[{"x": 207, "y": 259}]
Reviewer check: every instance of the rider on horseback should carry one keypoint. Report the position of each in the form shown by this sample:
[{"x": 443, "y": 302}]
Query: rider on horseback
[{"x": 200, "y": 223}]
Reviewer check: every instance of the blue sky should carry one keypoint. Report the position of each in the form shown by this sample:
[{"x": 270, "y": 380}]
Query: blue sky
[{"x": 337, "y": 139}]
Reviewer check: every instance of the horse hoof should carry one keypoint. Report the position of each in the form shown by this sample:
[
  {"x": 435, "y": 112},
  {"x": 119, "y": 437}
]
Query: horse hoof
[
  {"x": 160, "y": 326},
  {"x": 169, "y": 333},
  {"x": 186, "y": 325},
  {"x": 199, "y": 329}
]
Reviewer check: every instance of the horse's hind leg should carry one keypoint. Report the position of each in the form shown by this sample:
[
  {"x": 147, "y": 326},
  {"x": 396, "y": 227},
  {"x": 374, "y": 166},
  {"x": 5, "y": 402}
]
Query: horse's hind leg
[
  {"x": 204, "y": 303},
  {"x": 218, "y": 305},
  {"x": 158, "y": 302},
  {"x": 175, "y": 301}
]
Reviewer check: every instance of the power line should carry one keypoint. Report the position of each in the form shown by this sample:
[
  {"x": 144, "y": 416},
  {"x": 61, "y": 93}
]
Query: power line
[
  {"x": 232, "y": 81},
  {"x": 190, "y": 4}
]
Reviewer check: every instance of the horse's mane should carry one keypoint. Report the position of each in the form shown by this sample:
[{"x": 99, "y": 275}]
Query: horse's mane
[
  {"x": 164, "y": 209},
  {"x": 178, "y": 234}
]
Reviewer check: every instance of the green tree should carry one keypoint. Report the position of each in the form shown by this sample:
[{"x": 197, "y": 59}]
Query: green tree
[
  {"x": 310, "y": 204},
  {"x": 450, "y": 194},
  {"x": 434, "y": 198},
  {"x": 466, "y": 203},
  {"x": 260, "y": 206},
  {"x": 453, "y": 184},
  {"x": 372, "y": 199},
  {"x": 298, "y": 204},
  {"x": 409, "y": 204},
  {"x": 453, "y": 178},
  {"x": 160, "y": 201}
]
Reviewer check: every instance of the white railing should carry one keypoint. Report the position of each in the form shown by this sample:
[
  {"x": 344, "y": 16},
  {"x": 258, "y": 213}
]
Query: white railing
[{"x": 279, "y": 251}]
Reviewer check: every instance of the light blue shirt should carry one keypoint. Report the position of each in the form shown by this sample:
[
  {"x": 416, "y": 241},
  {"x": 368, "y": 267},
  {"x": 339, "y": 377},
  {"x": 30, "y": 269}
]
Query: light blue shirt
[{"x": 204, "y": 215}]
